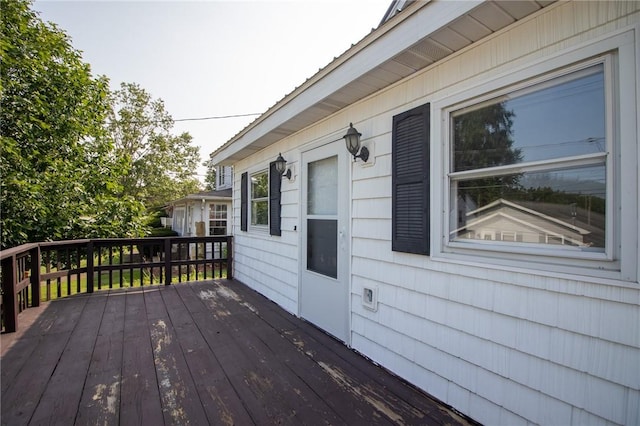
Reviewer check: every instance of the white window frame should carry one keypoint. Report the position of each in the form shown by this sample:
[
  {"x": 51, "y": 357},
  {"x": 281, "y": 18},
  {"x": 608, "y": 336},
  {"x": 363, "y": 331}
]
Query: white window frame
[
  {"x": 619, "y": 261},
  {"x": 252, "y": 226},
  {"x": 213, "y": 211},
  {"x": 220, "y": 176}
]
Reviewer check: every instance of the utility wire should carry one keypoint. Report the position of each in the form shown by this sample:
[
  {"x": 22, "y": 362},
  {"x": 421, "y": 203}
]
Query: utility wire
[
  {"x": 218, "y": 117},
  {"x": 215, "y": 117}
]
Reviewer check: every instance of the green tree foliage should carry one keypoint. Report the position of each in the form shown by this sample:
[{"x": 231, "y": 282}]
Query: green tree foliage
[
  {"x": 58, "y": 177},
  {"x": 483, "y": 138},
  {"x": 210, "y": 178},
  {"x": 159, "y": 166}
]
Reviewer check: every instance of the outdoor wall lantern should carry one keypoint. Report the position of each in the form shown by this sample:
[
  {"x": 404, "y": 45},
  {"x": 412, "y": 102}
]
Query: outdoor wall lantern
[
  {"x": 281, "y": 167},
  {"x": 352, "y": 139}
]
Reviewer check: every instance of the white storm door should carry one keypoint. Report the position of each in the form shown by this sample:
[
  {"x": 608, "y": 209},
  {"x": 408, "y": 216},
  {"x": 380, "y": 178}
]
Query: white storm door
[{"x": 324, "y": 287}]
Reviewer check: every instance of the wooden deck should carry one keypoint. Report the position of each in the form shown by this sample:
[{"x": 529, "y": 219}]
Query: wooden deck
[{"x": 201, "y": 353}]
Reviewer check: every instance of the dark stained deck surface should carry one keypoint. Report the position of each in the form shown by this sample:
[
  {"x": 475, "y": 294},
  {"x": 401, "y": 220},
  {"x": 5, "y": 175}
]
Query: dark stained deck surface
[{"x": 201, "y": 353}]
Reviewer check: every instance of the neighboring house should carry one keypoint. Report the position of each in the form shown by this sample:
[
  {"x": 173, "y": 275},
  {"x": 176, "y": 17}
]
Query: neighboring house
[
  {"x": 526, "y": 109},
  {"x": 202, "y": 214},
  {"x": 207, "y": 212}
]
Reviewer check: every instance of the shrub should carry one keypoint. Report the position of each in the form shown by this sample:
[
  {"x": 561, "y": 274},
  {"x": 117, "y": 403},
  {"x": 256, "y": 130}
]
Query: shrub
[{"x": 162, "y": 232}]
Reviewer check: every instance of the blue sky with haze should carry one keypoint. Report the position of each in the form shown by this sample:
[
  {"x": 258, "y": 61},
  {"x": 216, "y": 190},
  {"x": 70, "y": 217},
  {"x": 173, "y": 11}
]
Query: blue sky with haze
[{"x": 213, "y": 58}]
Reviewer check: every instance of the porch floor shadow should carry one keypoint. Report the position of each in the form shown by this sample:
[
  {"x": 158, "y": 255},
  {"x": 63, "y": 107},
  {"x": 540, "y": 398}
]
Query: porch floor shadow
[{"x": 212, "y": 352}]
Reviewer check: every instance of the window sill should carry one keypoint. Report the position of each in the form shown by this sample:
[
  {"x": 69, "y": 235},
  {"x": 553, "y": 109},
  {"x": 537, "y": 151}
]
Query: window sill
[{"x": 600, "y": 271}]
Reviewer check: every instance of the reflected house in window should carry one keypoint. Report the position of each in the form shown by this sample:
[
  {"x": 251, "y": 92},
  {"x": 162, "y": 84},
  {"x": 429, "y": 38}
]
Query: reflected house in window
[{"x": 529, "y": 222}]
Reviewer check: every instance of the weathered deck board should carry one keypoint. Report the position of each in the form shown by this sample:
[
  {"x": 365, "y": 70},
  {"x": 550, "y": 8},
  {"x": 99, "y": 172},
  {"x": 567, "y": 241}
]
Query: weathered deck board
[
  {"x": 139, "y": 395},
  {"x": 102, "y": 385},
  {"x": 59, "y": 402},
  {"x": 178, "y": 394},
  {"x": 285, "y": 398},
  {"x": 23, "y": 394},
  {"x": 200, "y": 353},
  {"x": 219, "y": 401},
  {"x": 248, "y": 374}
]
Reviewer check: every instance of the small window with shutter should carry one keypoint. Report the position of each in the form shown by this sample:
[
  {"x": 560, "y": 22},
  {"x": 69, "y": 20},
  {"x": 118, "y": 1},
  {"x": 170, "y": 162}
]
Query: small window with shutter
[{"x": 260, "y": 205}]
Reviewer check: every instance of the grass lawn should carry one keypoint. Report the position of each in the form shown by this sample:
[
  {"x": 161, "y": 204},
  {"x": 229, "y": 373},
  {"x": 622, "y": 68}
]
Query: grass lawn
[{"x": 69, "y": 285}]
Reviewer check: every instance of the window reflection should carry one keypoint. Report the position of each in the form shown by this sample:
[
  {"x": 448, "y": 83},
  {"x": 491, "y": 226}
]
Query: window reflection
[
  {"x": 563, "y": 118},
  {"x": 504, "y": 186},
  {"x": 322, "y": 247},
  {"x": 563, "y": 207},
  {"x": 260, "y": 199},
  {"x": 323, "y": 186}
]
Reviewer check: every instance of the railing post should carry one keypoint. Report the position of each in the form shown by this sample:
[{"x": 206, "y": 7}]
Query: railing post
[
  {"x": 167, "y": 261},
  {"x": 35, "y": 275},
  {"x": 90, "y": 270},
  {"x": 229, "y": 257},
  {"x": 9, "y": 299}
]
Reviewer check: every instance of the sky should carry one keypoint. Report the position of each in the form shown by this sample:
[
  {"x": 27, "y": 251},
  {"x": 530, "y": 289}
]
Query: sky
[{"x": 212, "y": 58}]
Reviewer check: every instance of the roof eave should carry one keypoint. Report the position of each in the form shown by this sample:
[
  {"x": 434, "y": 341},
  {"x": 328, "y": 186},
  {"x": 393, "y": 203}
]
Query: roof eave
[
  {"x": 227, "y": 154},
  {"x": 421, "y": 35}
]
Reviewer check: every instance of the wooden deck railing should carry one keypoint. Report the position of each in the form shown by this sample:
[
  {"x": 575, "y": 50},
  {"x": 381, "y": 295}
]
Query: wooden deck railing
[{"x": 37, "y": 272}]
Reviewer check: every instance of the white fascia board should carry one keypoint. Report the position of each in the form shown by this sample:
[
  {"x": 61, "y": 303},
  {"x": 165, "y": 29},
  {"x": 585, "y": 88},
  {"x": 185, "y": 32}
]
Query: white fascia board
[{"x": 370, "y": 53}]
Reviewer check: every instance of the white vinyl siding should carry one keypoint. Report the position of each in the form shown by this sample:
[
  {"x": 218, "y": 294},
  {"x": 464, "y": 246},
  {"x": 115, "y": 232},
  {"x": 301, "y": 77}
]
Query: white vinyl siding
[
  {"x": 503, "y": 343},
  {"x": 269, "y": 264}
]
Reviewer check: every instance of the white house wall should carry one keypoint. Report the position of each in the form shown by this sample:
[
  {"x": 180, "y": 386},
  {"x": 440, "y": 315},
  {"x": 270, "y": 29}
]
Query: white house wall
[
  {"x": 268, "y": 264},
  {"x": 502, "y": 345}
]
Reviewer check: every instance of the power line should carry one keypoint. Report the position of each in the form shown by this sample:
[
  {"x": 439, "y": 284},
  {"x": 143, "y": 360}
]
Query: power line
[{"x": 217, "y": 117}]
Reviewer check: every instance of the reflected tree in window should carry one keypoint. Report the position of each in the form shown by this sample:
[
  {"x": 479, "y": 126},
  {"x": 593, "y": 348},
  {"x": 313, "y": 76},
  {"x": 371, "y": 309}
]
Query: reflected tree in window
[
  {"x": 260, "y": 199},
  {"x": 483, "y": 138}
]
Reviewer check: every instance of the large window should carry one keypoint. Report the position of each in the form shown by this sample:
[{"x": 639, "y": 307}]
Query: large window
[
  {"x": 530, "y": 166},
  {"x": 218, "y": 219},
  {"x": 260, "y": 199},
  {"x": 534, "y": 168}
]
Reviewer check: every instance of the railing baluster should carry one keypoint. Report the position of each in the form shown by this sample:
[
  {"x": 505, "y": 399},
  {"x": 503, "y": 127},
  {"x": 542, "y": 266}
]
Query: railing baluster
[
  {"x": 66, "y": 267},
  {"x": 167, "y": 261},
  {"x": 9, "y": 299},
  {"x": 99, "y": 267},
  {"x": 229, "y": 257},
  {"x": 130, "y": 264},
  {"x": 121, "y": 269},
  {"x": 90, "y": 267},
  {"x": 48, "y": 270},
  {"x": 35, "y": 276},
  {"x": 78, "y": 273},
  {"x": 58, "y": 280}
]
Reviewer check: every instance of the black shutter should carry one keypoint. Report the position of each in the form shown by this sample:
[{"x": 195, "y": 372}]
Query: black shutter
[
  {"x": 410, "y": 181},
  {"x": 244, "y": 181},
  {"x": 275, "y": 182}
]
